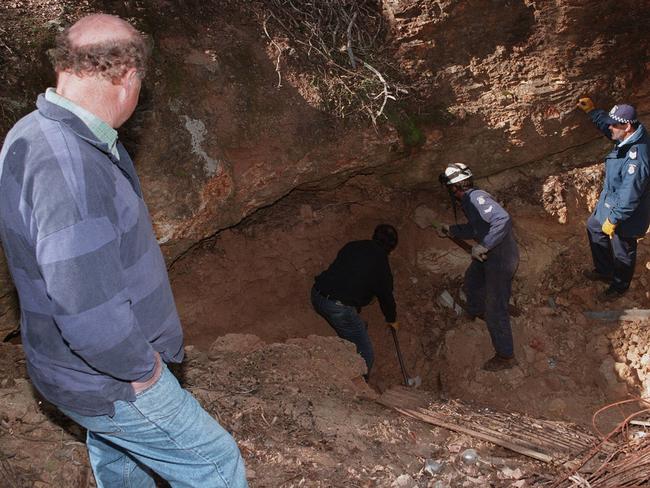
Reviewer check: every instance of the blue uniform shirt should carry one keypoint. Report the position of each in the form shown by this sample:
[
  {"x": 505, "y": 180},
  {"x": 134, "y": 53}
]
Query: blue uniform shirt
[
  {"x": 488, "y": 223},
  {"x": 625, "y": 198}
]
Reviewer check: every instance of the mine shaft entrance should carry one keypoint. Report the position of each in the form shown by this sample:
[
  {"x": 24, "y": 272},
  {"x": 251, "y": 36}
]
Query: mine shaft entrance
[{"x": 256, "y": 278}]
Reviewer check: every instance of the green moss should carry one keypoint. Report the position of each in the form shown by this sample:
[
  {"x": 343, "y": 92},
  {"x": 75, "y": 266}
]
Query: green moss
[
  {"x": 409, "y": 125},
  {"x": 408, "y": 128}
]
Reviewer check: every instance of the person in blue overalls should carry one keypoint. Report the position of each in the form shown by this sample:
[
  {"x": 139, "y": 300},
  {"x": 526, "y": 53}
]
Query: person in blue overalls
[
  {"x": 488, "y": 279},
  {"x": 622, "y": 214}
]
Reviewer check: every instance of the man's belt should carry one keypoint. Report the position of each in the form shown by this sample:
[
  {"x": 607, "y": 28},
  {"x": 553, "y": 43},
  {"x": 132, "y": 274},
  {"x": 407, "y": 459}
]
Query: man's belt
[{"x": 331, "y": 298}]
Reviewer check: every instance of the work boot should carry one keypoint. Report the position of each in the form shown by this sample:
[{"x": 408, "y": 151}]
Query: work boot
[
  {"x": 467, "y": 315},
  {"x": 470, "y": 317},
  {"x": 610, "y": 294},
  {"x": 593, "y": 275},
  {"x": 498, "y": 363}
]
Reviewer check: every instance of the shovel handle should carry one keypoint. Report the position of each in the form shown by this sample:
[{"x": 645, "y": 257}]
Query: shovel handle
[
  {"x": 459, "y": 242},
  {"x": 399, "y": 357}
]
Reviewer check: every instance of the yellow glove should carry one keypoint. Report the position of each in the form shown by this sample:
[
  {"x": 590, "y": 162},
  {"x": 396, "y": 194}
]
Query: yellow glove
[
  {"x": 394, "y": 325},
  {"x": 609, "y": 228},
  {"x": 586, "y": 104}
]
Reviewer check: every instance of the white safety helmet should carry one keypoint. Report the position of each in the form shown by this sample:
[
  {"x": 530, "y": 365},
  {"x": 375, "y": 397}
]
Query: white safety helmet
[{"x": 455, "y": 173}]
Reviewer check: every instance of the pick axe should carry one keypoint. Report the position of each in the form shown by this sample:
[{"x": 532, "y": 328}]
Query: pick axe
[{"x": 408, "y": 381}]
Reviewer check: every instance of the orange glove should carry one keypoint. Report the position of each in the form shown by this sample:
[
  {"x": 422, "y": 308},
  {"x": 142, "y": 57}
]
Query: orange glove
[
  {"x": 586, "y": 104},
  {"x": 609, "y": 228}
]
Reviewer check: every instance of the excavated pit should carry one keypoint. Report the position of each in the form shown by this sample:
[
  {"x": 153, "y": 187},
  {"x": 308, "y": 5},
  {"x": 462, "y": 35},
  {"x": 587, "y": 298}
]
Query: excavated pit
[
  {"x": 255, "y": 279},
  {"x": 263, "y": 363}
]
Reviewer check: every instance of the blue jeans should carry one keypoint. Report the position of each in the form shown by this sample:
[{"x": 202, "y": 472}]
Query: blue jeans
[
  {"x": 346, "y": 323},
  {"x": 164, "y": 430},
  {"x": 615, "y": 257}
]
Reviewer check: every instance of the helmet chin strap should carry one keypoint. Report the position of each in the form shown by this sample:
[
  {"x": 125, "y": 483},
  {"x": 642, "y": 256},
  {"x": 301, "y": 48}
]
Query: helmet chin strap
[
  {"x": 453, "y": 175},
  {"x": 454, "y": 204}
]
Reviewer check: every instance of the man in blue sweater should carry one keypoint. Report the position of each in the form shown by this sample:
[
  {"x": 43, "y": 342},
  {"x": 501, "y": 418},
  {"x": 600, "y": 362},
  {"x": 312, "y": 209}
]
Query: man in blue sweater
[
  {"x": 98, "y": 319},
  {"x": 495, "y": 257},
  {"x": 622, "y": 214}
]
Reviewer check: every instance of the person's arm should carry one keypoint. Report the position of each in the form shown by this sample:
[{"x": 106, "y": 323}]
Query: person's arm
[
  {"x": 498, "y": 219},
  {"x": 635, "y": 180},
  {"x": 78, "y": 256},
  {"x": 461, "y": 231},
  {"x": 383, "y": 289},
  {"x": 598, "y": 117}
]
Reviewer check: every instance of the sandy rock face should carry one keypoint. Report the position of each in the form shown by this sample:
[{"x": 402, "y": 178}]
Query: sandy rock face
[
  {"x": 227, "y": 125},
  {"x": 503, "y": 76},
  {"x": 630, "y": 348},
  {"x": 233, "y": 118},
  {"x": 8, "y": 304}
]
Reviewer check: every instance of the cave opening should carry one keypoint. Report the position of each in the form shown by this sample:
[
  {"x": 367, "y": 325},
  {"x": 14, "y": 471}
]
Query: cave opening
[{"x": 255, "y": 279}]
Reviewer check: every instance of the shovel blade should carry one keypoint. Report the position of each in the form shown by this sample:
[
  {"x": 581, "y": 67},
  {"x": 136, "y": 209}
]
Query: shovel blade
[{"x": 414, "y": 382}]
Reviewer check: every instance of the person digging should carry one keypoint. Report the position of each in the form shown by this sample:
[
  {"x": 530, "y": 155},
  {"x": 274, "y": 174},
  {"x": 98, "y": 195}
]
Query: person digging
[
  {"x": 360, "y": 272},
  {"x": 495, "y": 256}
]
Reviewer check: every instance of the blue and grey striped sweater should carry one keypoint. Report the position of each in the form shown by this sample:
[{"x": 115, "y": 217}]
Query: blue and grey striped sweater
[{"x": 94, "y": 294}]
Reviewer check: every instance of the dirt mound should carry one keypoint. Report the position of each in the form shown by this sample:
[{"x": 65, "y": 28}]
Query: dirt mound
[
  {"x": 301, "y": 414},
  {"x": 631, "y": 348},
  {"x": 299, "y": 410}
]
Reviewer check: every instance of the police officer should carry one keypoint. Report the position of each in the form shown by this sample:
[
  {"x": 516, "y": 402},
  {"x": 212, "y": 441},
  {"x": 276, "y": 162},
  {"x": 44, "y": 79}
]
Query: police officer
[
  {"x": 488, "y": 279},
  {"x": 622, "y": 214}
]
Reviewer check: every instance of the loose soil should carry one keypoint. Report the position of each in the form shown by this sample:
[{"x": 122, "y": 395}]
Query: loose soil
[{"x": 274, "y": 374}]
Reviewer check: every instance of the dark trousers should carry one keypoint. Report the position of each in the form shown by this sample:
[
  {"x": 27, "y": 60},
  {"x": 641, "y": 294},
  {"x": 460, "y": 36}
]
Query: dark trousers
[
  {"x": 488, "y": 286},
  {"x": 347, "y": 324},
  {"x": 615, "y": 257}
]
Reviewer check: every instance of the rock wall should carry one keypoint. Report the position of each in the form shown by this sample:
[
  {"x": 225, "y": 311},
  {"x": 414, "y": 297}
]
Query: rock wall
[
  {"x": 499, "y": 79},
  {"x": 234, "y": 117}
]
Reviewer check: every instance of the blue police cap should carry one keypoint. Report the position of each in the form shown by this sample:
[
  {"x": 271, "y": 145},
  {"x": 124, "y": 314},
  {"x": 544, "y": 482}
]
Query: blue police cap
[{"x": 621, "y": 114}]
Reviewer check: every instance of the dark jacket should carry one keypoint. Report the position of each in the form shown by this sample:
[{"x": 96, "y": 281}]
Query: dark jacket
[
  {"x": 625, "y": 198},
  {"x": 94, "y": 294},
  {"x": 360, "y": 272}
]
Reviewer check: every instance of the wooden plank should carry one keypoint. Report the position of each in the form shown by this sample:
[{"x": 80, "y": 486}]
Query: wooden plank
[
  {"x": 643, "y": 423},
  {"x": 545, "y": 431},
  {"x": 405, "y": 397},
  {"x": 480, "y": 435},
  {"x": 543, "y": 440},
  {"x": 628, "y": 315}
]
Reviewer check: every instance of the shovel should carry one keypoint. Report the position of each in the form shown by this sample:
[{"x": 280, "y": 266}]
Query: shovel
[{"x": 408, "y": 381}]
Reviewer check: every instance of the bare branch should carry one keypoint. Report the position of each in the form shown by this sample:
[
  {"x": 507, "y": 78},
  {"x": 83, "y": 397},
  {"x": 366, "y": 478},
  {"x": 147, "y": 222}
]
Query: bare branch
[
  {"x": 332, "y": 38},
  {"x": 385, "y": 93},
  {"x": 350, "y": 53},
  {"x": 277, "y": 61}
]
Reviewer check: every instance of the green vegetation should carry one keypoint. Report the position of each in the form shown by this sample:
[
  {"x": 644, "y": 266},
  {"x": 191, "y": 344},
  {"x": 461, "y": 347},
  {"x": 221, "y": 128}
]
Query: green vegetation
[{"x": 408, "y": 128}]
